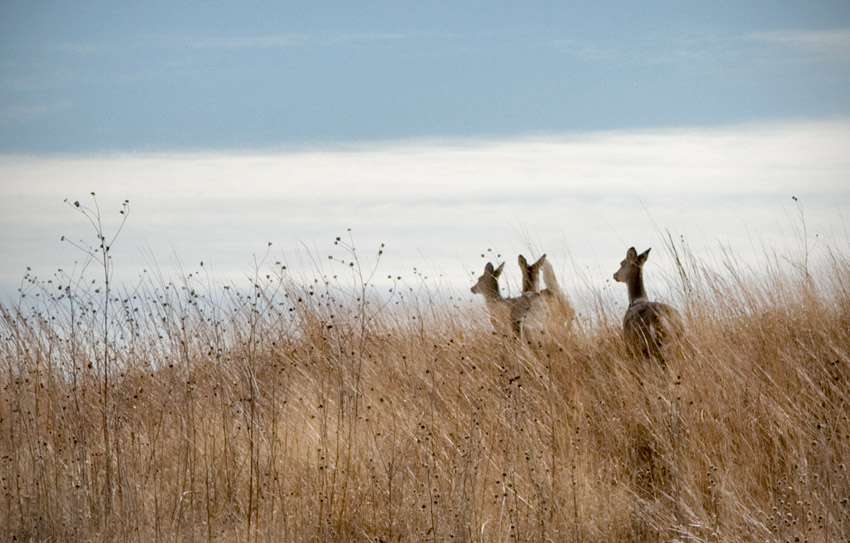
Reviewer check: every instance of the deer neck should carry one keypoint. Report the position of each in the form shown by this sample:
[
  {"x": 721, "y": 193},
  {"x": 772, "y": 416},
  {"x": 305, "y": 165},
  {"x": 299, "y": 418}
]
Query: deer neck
[{"x": 637, "y": 293}]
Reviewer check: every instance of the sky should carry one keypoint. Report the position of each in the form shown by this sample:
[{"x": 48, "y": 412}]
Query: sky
[
  {"x": 442, "y": 129},
  {"x": 82, "y": 77}
]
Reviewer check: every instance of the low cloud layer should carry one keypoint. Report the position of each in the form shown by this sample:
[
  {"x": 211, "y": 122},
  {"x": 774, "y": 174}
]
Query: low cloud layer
[{"x": 438, "y": 205}]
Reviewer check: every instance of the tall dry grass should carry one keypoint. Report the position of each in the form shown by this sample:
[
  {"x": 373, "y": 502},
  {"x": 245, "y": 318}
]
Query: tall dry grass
[{"x": 293, "y": 410}]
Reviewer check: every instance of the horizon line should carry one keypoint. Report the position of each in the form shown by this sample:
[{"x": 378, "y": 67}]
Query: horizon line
[{"x": 344, "y": 145}]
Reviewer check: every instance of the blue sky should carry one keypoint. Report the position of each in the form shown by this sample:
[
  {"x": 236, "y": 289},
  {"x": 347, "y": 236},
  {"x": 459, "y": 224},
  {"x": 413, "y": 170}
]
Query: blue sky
[{"x": 89, "y": 77}]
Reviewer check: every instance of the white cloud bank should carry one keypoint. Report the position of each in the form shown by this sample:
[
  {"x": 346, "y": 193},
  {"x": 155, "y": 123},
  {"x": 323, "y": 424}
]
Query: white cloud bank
[{"x": 438, "y": 205}]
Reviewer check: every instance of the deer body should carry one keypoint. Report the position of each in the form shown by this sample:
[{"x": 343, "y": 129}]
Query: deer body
[{"x": 649, "y": 328}]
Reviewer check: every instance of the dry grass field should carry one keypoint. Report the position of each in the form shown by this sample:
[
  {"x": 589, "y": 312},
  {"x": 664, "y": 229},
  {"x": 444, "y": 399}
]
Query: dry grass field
[{"x": 286, "y": 409}]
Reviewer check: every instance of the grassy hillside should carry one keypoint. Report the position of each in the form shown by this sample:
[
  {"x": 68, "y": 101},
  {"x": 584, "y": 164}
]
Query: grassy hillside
[{"x": 293, "y": 410}]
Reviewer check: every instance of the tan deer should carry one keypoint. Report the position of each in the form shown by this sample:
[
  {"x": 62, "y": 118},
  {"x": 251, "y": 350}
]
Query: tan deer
[
  {"x": 559, "y": 309},
  {"x": 530, "y": 273},
  {"x": 649, "y": 328},
  {"x": 538, "y": 309}
]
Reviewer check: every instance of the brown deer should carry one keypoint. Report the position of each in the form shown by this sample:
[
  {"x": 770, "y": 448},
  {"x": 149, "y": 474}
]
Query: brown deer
[
  {"x": 530, "y": 273},
  {"x": 531, "y": 309},
  {"x": 649, "y": 328}
]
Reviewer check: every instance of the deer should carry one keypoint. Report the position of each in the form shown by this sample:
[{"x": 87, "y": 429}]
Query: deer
[
  {"x": 649, "y": 328},
  {"x": 556, "y": 300},
  {"x": 530, "y": 273},
  {"x": 532, "y": 308}
]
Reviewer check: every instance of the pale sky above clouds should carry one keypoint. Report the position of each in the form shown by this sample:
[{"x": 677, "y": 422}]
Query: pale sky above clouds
[{"x": 112, "y": 76}]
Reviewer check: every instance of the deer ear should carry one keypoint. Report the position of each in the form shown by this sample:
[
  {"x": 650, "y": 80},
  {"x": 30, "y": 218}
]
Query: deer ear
[
  {"x": 539, "y": 262},
  {"x": 522, "y": 261},
  {"x": 488, "y": 268},
  {"x": 643, "y": 256},
  {"x": 498, "y": 271},
  {"x": 631, "y": 254}
]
